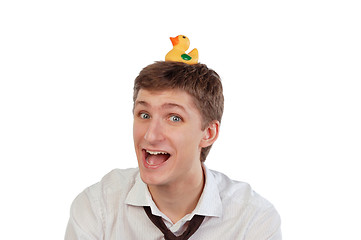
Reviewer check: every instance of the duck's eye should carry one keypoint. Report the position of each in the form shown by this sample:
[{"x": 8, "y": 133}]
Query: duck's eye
[
  {"x": 184, "y": 37},
  {"x": 175, "y": 118},
  {"x": 144, "y": 116}
]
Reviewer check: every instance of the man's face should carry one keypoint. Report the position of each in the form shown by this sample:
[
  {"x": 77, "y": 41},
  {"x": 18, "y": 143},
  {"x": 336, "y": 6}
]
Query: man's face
[{"x": 167, "y": 136}]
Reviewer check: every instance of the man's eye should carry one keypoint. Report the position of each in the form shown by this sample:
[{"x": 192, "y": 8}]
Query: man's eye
[
  {"x": 175, "y": 118},
  {"x": 144, "y": 115}
]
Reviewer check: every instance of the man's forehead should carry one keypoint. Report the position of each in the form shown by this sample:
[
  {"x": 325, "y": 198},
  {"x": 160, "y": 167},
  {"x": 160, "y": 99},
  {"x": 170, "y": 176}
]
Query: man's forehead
[
  {"x": 166, "y": 98},
  {"x": 145, "y": 94}
]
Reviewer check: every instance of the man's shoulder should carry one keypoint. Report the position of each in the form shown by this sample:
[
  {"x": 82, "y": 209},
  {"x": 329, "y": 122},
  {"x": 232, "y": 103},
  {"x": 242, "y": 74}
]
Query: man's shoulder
[
  {"x": 245, "y": 207},
  {"x": 101, "y": 200},
  {"x": 120, "y": 177},
  {"x": 117, "y": 183},
  {"x": 239, "y": 193}
]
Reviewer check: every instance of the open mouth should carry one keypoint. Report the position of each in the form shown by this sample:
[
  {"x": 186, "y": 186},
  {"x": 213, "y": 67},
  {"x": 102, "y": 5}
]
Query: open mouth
[{"x": 155, "y": 158}]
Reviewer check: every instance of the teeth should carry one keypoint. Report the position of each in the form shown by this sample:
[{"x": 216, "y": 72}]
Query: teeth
[{"x": 156, "y": 153}]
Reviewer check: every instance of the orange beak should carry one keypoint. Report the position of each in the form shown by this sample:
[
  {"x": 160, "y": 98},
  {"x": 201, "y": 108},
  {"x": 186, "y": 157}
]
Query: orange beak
[{"x": 174, "y": 40}]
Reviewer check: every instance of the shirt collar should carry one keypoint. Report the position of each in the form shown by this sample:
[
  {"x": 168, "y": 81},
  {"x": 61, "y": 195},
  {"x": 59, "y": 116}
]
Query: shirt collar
[
  {"x": 139, "y": 194},
  {"x": 209, "y": 203}
]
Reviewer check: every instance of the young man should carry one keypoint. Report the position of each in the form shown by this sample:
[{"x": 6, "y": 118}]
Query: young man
[{"x": 172, "y": 194}]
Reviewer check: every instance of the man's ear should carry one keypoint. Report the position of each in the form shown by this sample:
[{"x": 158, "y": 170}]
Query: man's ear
[{"x": 210, "y": 134}]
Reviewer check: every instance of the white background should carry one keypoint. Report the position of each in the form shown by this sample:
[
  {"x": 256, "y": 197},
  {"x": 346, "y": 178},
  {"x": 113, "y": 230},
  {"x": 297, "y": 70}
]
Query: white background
[{"x": 291, "y": 126}]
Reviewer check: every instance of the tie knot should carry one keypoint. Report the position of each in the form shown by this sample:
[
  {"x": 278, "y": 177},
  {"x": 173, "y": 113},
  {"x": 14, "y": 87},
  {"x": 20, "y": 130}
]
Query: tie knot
[{"x": 194, "y": 224}]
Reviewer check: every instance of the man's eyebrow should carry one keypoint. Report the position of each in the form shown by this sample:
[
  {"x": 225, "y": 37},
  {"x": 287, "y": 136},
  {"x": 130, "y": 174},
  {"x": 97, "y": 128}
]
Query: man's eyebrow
[
  {"x": 144, "y": 103},
  {"x": 165, "y": 105},
  {"x": 173, "y": 105}
]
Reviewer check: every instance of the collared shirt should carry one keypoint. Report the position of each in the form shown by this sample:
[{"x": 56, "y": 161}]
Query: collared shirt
[{"x": 113, "y": 210}]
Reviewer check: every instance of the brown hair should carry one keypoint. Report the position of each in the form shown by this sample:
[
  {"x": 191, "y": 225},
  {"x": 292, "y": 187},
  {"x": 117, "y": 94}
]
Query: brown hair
[{"x": 202, "y": 83}]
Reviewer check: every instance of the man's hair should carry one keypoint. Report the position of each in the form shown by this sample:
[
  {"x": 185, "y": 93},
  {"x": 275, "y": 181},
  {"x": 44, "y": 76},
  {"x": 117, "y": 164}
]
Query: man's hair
[{"x": 202, "y": 83}]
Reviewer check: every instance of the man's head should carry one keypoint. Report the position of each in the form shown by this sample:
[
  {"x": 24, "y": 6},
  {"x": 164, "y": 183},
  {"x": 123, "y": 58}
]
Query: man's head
[{"x": 200, "y": 82}]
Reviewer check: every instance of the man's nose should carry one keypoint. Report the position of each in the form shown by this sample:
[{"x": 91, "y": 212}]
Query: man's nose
[{"x": 154, "y": 132}]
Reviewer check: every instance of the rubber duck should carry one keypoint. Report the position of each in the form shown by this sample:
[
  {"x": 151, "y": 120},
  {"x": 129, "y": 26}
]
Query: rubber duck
[{"x": 178, "y": 53}]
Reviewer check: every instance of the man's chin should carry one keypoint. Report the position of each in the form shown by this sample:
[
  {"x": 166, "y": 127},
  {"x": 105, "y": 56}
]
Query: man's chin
[
  {"x": 151, "y": 180},
  {"x": 151, "y": 177}
]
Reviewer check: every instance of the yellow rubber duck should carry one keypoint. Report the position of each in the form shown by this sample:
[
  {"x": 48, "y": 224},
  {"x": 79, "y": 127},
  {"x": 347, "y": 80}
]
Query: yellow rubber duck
[{"x": 178, "y": 53}]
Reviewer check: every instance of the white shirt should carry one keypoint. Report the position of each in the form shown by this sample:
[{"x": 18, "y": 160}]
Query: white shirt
[{"x": 113, "y": 210}]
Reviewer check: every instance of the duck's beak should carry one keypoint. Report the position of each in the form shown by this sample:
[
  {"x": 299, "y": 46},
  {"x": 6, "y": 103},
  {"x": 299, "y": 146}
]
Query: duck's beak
[{"x": 174, "y": 40}]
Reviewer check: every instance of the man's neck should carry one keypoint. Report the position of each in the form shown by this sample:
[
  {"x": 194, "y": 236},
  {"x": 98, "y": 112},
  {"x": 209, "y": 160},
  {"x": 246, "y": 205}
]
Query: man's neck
[{"x": 179, "y": 199}]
